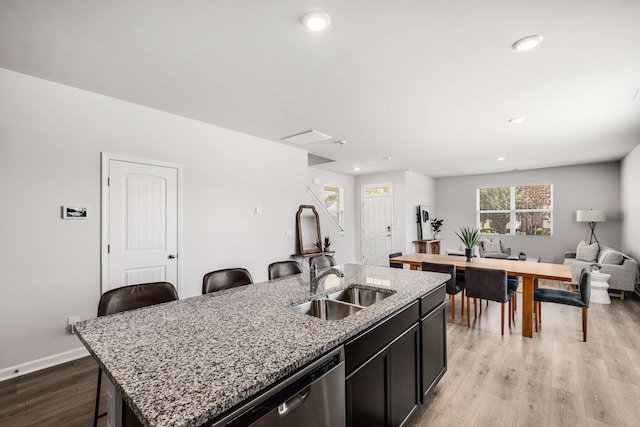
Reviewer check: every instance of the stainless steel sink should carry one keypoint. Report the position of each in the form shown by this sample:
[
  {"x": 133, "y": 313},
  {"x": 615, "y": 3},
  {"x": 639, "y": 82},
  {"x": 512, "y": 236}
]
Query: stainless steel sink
[
  {"x": 340, "y": 304},
  {"x": 360, "y": 296},
  {"x": 327, "y": 309}
]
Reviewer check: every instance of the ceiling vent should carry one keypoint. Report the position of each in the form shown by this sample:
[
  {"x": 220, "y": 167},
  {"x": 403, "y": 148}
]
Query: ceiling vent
[{"x": 306, "y": 137}]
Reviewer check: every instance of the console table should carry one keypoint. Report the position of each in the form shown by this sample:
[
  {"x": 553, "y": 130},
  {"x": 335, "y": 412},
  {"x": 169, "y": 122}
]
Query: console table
[{"x": 428, "y": 246}]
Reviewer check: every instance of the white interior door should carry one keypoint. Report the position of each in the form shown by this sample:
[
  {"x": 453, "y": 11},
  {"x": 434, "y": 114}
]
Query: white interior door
[
  {"x": 376, "y": 230},
  {"x": 142, "y": 224}
]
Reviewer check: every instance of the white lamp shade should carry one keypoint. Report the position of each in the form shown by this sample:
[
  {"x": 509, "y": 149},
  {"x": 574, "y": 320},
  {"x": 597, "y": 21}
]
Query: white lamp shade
[{"x": 590, "y": 215}]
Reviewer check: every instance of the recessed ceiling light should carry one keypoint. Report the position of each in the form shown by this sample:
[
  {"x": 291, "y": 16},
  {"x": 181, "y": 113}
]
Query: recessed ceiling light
[
  {"x": 341, "y": 142},
  {"x": 386, "y": 158},
  {"x": 527, "y": 43},
  {"x": 501, "y": 158},
  {"x": 356, "y": 169},
  {"x": 316, "y": 21},
  {"x": 517, "y": 120}
]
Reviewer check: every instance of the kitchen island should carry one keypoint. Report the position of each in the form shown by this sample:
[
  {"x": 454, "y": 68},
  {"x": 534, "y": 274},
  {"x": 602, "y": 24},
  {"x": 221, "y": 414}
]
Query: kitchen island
[{"x": 188, "y": 362}]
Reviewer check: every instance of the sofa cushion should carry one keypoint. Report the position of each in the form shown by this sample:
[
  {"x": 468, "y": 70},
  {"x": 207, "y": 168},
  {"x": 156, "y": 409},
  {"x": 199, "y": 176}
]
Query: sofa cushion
[
  {"x": 586, "y": 252},
  {"x": 491, "y": 246}
]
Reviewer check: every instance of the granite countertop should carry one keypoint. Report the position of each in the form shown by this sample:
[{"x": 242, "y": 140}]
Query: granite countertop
[{"x": 186, "y": 362}]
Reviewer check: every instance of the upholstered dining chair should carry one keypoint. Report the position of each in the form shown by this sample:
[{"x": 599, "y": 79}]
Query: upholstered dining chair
[
  {"x": 283, "y": 269},
  {"x": 322, "y": 261},
  {"x": 129, "y": 298},
  {"x": 395, "y": 264},
  {"x": 491, "y": 285},
  {"x": 453, "y": 285},
  {"x": 577, "y": 299},
  {"x": 225, "y": 279}
]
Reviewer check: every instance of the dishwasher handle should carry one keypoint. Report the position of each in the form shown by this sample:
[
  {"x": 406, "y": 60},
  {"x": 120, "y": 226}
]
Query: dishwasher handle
[{"x": 293, "y": 403}]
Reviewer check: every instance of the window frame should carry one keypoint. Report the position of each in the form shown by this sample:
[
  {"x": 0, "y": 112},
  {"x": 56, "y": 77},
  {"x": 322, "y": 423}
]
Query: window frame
[
  {"x": 339, "y": 210},
  {"x": 512, "y": 211}
]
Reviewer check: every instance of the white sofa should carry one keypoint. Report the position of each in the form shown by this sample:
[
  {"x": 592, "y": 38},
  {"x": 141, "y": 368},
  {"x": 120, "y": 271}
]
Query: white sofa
[{"x": 622, "y": 268}]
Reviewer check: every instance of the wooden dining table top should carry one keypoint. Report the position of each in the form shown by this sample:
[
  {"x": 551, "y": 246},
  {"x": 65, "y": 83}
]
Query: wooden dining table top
[{"x": 540, "y": 270}]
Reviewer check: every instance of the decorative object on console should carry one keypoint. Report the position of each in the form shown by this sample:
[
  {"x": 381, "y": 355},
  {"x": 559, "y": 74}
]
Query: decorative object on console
[
  {"x": 327, "y": 243},
  {"x": 308, "y": 229},
  {"x": 522, "y": 256},
  {"x": 436, "y": 226},
  {"x": 591, "y": 216},
  {"x": 424, "y": 228},
  {"x": 469, "y": 237}
]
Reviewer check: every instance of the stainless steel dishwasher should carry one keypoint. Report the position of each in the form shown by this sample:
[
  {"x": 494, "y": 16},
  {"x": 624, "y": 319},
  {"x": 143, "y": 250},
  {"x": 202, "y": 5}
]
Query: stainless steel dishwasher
[{"x": 312, "y": 397}]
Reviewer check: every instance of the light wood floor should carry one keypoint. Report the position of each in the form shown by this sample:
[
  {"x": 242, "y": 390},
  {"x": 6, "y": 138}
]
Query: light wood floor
[{"x": 553, "y": 379}]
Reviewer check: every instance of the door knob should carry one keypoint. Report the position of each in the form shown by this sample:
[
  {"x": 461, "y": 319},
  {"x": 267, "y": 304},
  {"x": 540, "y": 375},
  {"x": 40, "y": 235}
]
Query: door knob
[{"x": 171, "y": 256}]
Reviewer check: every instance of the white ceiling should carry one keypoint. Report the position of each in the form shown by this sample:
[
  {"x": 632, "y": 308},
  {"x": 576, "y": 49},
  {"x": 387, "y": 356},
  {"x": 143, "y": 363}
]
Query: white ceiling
[{"x": 430, "y": 83}]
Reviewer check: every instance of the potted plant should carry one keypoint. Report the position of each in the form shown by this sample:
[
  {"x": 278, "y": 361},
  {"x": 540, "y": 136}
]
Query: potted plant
[
  {"x": 327, "y": 243},
  {"x": 469, "y": 237},
  {"x": 436, "y": 225}
]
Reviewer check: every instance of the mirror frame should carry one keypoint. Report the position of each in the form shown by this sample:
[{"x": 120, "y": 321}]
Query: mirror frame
[{"x": 299, "y": 230}]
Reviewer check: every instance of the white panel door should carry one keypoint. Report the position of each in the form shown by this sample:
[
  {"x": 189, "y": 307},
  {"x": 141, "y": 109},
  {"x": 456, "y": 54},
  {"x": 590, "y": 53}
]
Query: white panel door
[
  {"x": 143, "y": 224},
  {"x": 376, "y": 230}
]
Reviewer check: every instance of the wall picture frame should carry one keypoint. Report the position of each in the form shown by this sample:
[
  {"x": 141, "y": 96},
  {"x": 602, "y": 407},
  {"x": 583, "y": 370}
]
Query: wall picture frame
[{"x": 74, "y": 212}]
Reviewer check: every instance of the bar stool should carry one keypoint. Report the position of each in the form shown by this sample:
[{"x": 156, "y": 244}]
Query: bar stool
[{"x": 129, "y": 298}]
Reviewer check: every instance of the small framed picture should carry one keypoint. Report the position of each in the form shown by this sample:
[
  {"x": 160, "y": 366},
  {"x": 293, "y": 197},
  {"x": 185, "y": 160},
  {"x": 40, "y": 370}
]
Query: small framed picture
[{"x": 74, "y": 212}]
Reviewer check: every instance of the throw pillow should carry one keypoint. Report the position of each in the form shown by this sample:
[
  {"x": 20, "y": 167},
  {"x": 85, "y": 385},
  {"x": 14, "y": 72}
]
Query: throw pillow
[
  {"x": 587, "y": 252},
  {"x": 492, "y": 246}
]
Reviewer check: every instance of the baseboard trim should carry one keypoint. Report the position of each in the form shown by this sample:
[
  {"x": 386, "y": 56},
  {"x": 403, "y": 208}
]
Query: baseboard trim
[{"x": 45, "y": 362}]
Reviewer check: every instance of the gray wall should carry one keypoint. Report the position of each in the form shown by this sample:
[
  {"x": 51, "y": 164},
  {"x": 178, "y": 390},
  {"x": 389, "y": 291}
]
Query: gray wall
[
  {"x": 594, "y": 186},
  {"x": 630, "y": 180}
]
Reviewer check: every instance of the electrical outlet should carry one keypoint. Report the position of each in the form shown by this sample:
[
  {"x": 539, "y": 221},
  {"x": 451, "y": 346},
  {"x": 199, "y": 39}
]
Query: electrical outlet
[{"x": 71, "y": 320}]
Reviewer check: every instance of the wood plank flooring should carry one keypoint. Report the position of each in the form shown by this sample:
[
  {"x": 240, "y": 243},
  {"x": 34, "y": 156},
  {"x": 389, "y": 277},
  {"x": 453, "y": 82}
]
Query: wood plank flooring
[{"x": 553, "y": 379}]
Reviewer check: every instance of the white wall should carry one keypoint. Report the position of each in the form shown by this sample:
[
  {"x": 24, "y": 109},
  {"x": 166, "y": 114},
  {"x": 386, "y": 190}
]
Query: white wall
[
  {"x": 51, "y": 137},
  {"x": 419, "y": 190},
  {"x": 342, "y": 243},
  {"x": 629, "y": 181},
  {"x": 595, "y": 186}
]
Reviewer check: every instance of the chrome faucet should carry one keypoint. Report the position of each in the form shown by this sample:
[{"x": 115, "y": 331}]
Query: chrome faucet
[{"x": 315, "y": 278}]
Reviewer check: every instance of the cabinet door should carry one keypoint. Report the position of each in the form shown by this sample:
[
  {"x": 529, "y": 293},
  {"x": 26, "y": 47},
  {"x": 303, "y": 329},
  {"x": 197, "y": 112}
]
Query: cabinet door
[
  {"x": 434, "y": 349},
  {"x": 404, "y": 374},
  {"x": 367, "y": 393}
]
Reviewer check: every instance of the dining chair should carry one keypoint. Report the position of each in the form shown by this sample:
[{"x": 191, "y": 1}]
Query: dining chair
[
  {"x": 491, "y": 285},
  {"x": 322, "y": 261},
  {"x": 283, "y": 269},
  {"x": 453, "y": 285},
  {"x": 575, "y": 299},
  {"x": 129, "y": 298},
  {"x": 395, "y": 264},
  {"x": 225, "y": 279}
]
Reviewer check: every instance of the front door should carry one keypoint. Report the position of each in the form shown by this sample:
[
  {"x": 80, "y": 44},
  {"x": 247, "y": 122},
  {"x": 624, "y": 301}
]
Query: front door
[
  {"x": 141, "y": 223},
  {"x": 376, "y": 230}
]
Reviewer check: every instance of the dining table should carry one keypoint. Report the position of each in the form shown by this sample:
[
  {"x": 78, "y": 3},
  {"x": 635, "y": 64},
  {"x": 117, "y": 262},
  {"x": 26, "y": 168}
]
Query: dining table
[{"x": 529, "y": 271}]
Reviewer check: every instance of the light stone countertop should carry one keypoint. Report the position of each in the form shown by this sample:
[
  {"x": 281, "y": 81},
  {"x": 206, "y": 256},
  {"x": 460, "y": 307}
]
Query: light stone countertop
[{"x": 186, "y": 362}]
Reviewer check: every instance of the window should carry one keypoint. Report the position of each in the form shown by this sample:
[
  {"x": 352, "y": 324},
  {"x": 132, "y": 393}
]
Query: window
[
  {"x": 334, "y": 202},
  {"x": 383, "y": 190},
  {"x": 522, "y": 210}
]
